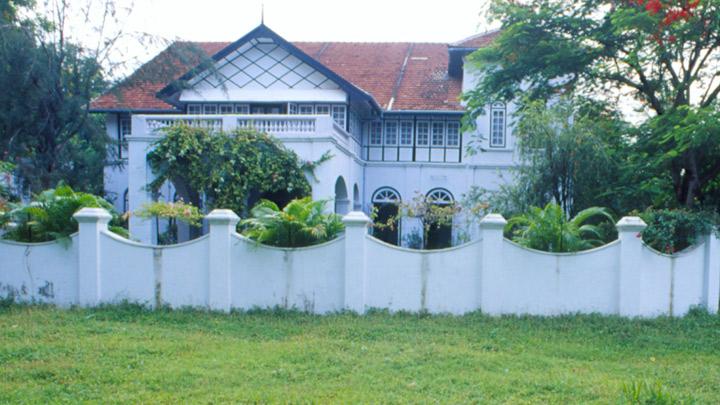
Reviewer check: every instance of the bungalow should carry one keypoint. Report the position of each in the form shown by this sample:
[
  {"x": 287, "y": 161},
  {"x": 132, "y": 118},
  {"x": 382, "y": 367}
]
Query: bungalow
[{"x": 389, "y": 113}]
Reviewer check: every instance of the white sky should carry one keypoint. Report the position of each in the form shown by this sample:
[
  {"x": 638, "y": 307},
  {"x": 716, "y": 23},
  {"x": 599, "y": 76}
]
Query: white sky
[{"x": 306, "y": 20}]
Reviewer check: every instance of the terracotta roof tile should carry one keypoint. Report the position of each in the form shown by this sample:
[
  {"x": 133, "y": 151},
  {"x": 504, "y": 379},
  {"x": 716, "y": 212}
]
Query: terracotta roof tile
[
  {"x": 477, "y": 41},
  {"x": 376, "y": 68}
]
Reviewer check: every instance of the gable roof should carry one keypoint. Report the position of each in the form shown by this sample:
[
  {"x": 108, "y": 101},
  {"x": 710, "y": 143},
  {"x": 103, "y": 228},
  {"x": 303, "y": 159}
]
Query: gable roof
[{"x": 392, "y": 76}]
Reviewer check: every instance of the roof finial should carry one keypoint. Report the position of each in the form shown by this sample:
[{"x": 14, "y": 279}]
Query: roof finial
[{"x": 262, "y": 13}]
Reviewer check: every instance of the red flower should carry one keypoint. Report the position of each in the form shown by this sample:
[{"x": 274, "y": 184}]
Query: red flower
[{"x": 653, "y": 6}]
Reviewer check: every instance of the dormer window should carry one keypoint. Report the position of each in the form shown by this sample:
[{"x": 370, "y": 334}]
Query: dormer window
[
  {"x": 194, "y": 109},
  {"x": 497, "y": 125}
]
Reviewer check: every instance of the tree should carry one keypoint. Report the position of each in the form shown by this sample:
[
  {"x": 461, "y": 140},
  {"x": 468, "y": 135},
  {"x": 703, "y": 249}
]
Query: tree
[
  {"x": 661, "y": 55},
  {"x": 48, "y": 79},
  {"x": 232, "y": 170},
  {"x": 571, "y": 152}
]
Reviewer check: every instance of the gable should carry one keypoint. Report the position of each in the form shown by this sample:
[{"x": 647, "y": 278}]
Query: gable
[{"x": 262, "y": 64}]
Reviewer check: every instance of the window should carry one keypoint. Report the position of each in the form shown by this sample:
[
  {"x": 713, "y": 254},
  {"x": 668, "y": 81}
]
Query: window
[
  {"x": 242, "y": 109},
  {"x": 438, "y": 133},
  {"x": 124, "y": 129},
  {"x": 126, "y": 201},
  {"x": 440, "y": 196},
  {"x": 305, "y": 109},
  {"x": 406, "y": 135},
  {"x": 497, "y": 125},
  {"x": 338, "y": 114},
  {"x": 386, "y": 204},
  {"x": 453, "y": 133},
  {"x": 391, "y": 133},
  {"x": 292, "y": 108},
  {"x": 226, "y": 109},
  {"x": 194, "y": 109},
  {"x": 210, "y": 109},
  {"x": 322, "y": 109},
  {"x": 376, "y": 133},
  {"x": 423, "y": 133}
]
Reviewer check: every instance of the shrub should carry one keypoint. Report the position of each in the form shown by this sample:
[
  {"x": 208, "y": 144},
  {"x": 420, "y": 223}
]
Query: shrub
[
  {"x": 173, "y": 212},
  {"x": 550, "y": 230},
  {"x": 670, "y": 231},
  {"x": 50, "y": 216},
  {"x": 300, "y": 223}
]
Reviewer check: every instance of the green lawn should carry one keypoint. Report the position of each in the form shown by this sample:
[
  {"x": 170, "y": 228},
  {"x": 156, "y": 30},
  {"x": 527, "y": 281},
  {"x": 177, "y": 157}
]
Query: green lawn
[{"x": 129, "y": 354}]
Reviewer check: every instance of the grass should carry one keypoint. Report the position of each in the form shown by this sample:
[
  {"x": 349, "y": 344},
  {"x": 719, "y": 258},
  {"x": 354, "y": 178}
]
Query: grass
[{"x": 127, "y": 353}]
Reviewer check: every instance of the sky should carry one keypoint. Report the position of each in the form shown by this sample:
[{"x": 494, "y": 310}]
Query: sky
[{"x": 307, "y": 20}]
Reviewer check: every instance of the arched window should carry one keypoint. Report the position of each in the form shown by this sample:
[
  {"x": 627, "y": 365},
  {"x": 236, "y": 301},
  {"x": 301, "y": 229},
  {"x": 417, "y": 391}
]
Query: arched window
[
  {"x": 440, "y": 196},
  {"x": 439, "y": 235},
  {"x": 342, "y": 203},
  {"x": 386, "y": 202}
]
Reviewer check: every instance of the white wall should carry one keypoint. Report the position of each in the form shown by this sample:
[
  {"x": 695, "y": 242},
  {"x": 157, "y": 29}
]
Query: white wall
[{"x": 223, "y": 270}]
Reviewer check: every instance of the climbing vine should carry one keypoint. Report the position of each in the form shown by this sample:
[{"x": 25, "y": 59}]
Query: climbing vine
[{"x": 231, "y": 170}]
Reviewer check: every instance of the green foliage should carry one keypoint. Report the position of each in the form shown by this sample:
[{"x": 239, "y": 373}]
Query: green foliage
[
  {"x": 49, "y": 216},
  {"x": 670, "y": 231},
  {"x": 622, "y": 52},
  {"x": 645, "y": 393},
  {"x": 233, "y": 170},
  {"x": 47, "y": 84},
  {"x": 550, "y": 230},
  {"x": 301, "y": 223},
  {"x": 172, "y": 212},
  {"x": 571, "y": 152}
]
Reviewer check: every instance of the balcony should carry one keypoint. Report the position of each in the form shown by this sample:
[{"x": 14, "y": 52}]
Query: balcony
[{"x": 285, "y": 127}]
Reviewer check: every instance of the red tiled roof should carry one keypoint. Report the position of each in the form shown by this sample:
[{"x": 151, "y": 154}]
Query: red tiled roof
[
  {"x": 477, "y": 41},
  {"x": 381, "y": 69}
]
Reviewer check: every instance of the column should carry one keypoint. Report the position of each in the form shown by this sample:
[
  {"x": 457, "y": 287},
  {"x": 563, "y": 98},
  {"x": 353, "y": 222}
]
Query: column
[
  {"x": 222, "y": 226},
  {"x": 630, "y": 269},
  {"x": 489, "y": 298},
  {"x": 91, "y": 223},
  {"x": 356, "y": 225}
]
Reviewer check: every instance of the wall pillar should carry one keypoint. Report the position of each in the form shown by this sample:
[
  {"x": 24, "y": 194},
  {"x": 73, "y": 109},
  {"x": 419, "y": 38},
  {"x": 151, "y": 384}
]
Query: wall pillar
[
  {"x": 139, "y": 176},
  {"x": 222, "y": 226},
  {"x": 630, "y": 269},
  {"x": 356, "y": 225},
  {"x": 91, "y": 223},
  {"x": 711, "y": 282},
  {"x": 487, "y": 295}
]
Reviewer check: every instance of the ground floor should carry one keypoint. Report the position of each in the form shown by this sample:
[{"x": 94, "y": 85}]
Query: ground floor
[{"x": 130, "y": 354}]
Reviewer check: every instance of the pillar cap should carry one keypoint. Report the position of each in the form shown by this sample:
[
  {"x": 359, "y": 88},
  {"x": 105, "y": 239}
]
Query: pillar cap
[
  {"x": 630, "y": 224},
  {"x": 88, "y": 215},
  {"x": 219, "y": 217},
  {"x": 356, "y": 218},
  {"x": 493, "y": 221}
]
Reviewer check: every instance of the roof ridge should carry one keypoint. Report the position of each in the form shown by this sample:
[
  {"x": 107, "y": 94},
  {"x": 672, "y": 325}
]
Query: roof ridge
[{"x": 476, "y": 36}]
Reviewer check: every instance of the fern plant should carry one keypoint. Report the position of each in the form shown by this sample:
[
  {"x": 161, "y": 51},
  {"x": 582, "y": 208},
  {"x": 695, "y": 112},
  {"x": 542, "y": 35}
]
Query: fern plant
[
  {"x": 50, "y": 216},
  {"x": 550, "y": 230},
  {"x": 301, "y": 223}
]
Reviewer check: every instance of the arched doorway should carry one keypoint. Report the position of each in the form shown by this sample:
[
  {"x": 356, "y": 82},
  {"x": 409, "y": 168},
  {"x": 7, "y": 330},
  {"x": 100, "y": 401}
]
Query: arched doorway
[
  {"x": 386, "y": 203},
  {"x": 357, "y": 205},
  {"x": 342, "y": 203},
  {"x": 439, "y": 235}
]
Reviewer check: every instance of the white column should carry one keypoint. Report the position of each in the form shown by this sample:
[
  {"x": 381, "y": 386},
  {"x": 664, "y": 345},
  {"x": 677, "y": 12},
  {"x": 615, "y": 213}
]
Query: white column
[
  {"x": 222, "y": 226},
  {"x": 488, "y": 297},
  {"x": 711, "y": 283},
  {"x": 356, "y": 225},
  {"x": 630, "y": 269},
  {"x": 91, "y": 221},
  {"x": 139, "y": 176}
]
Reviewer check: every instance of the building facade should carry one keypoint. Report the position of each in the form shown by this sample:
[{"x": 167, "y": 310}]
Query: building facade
[{"x": 389, "y": 113}]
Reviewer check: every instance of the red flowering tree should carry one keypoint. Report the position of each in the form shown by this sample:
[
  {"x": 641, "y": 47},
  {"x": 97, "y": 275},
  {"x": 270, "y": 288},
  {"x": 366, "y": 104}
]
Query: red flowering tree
[{"x": 662, "y": 55}]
